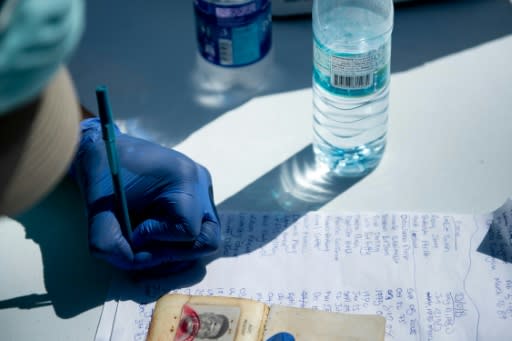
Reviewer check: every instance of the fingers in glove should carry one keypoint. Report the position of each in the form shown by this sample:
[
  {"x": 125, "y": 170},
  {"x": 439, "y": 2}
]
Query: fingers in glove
[
  {"x": 107, "y": 241},
  {"x": 178, "y": 219},
  {"x": 157, "y": 252}
]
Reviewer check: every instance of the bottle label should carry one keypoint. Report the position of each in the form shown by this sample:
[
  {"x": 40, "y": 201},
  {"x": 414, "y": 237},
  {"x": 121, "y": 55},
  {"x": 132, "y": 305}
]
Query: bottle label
[
  {"x": 351, "y": 74},
  {"x": 233, "y": 35}
]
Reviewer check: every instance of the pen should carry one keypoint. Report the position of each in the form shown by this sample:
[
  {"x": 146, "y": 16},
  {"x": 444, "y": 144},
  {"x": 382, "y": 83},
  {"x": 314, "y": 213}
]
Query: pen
[{"x": 107, "y": 129}]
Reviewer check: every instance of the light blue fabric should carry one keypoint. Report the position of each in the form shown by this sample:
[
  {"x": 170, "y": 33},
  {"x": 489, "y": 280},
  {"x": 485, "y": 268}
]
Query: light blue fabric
[{"x": 38, "y": 37}]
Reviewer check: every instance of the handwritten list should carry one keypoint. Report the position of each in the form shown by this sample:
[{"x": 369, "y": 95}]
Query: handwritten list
[{"x": 432, "y": 276}]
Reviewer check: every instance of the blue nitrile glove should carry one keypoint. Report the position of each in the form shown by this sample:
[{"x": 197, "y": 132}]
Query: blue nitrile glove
[
  {"x": 170, "y": 203},
  {"x": 281, "y": 337}
]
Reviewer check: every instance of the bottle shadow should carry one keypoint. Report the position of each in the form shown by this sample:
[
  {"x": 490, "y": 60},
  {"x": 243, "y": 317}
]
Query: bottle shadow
[{"x": 299, "y": 184}]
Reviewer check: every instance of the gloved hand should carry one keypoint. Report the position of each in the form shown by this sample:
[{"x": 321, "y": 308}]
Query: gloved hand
[
  {"x": 170, "y": 203},
  {"x": 36, "y": 37},
  {"x": 281, "y": 337}
]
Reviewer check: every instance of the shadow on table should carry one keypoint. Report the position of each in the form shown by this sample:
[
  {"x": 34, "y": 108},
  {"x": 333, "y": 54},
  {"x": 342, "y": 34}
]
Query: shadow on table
[
  {"x": 425, "y": 30},
  {"x": 74, "y": 280},
  {"x": 146, "y": 54},
  {"x": 497, "y": 243}
]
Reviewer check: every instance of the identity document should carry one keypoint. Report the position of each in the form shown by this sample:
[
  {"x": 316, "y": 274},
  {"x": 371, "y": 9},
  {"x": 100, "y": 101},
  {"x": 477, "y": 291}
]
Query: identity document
[{"x": 188, "y": 318}]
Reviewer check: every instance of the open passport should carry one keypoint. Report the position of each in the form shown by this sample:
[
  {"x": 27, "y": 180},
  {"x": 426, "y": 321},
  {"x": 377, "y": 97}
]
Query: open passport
[{"x": 188, "y": 318}]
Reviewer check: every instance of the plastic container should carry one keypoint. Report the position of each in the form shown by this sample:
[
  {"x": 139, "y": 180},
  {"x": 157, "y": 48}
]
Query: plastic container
[{"x": 351, "y": 77}]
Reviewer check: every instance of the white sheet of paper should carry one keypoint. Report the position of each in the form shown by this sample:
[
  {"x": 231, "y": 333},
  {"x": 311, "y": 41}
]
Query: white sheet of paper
[{"x": 432, "y": 276}]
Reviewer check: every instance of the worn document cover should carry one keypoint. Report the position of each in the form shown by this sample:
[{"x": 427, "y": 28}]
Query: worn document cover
[{"x": 187, "y": 318}]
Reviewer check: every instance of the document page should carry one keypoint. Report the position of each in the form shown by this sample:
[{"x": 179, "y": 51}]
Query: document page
[{"x": 432, "y": 276}]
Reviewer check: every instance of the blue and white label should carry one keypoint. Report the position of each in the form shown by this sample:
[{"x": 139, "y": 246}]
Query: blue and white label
[
  {"x": 351, "y": 74},
  {"x": 233, "y": 35}
]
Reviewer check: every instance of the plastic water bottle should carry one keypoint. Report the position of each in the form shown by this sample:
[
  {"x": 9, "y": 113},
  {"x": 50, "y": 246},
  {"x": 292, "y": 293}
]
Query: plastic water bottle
[
  {"x": 234, "y": 39},
  {"x": 351, "y": 76}
]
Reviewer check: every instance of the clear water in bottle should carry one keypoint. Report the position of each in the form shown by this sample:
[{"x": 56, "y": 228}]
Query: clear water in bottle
[{"x": 351, "y": 75}]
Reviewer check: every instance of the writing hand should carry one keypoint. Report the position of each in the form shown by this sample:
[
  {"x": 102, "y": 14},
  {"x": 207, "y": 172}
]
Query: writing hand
[{"x": 170, "y": 202}]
